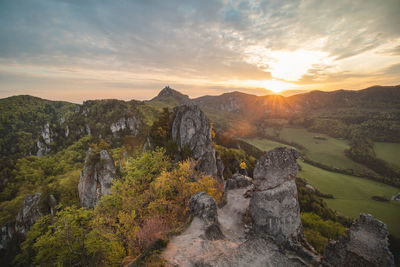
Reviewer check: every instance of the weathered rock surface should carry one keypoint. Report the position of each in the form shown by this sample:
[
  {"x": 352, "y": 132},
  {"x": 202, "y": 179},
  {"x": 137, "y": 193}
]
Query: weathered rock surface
[
  {"x": 238, "y": 181},
  {"x": 220, "y": 166},
  {"x": 44, "y": 141},
  {"x": 96, "y": 177},
  {"x": 31, "y": 211},
  {"x": 191, "y": 128},
  {"x": 204, "y": 207},
  {"x": 275, "y": 167},
  {"x": 274, "y": 206},
  {"x": 235, "y": 249},
  {"x": 131, "y": 123},
  {"x": 364, "y": 244}
]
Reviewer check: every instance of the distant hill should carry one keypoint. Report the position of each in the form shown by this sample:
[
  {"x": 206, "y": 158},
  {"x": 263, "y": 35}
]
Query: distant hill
[{"x": 25, "y": 117}]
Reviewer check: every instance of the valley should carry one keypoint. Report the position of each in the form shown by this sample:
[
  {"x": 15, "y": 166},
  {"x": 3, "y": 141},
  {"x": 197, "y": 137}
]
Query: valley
[{"x": 352, "y": 195}]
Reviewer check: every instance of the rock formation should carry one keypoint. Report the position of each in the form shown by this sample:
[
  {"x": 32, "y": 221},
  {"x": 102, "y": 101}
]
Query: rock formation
[
  {"x": 44, "y": 141},
  {"x": 34, "y": 208},
  {"x": 204, "y": 207},
  {"x": 364, "y": 244},
  {"x": 193, "y": 248},
  {"x": 31, "y": 212},
  {"x": 191, "y": 128},
  {"x": 131, "y": 123},
  {"x": 238, "y": 181},
  {"x": 220, "y": 166},
  {"x": 274, "y": 205},
  {"x": 96, "y": 177}
]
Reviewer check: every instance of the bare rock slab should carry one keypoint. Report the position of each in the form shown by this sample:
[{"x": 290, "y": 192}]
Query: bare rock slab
[{"x": 364, "y": 244}]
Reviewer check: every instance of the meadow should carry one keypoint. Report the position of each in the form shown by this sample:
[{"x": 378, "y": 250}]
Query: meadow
[
  {"x": 389, "y": 152},
  {"x": 326, "y": 150},
  {"x": 352, "y": 194}
]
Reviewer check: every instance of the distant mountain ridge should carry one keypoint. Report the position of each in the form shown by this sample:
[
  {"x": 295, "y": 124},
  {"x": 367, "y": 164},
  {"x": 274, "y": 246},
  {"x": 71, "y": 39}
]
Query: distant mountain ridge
[{"x": 38, "y": 121}]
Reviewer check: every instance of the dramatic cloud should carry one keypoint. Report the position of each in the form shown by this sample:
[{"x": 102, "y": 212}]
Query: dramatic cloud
[{"x": 136, "y": 47}]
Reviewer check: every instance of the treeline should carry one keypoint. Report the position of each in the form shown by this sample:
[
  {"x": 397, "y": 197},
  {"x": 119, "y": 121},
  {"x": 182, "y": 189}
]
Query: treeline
[{"x": 362, "y": 151}]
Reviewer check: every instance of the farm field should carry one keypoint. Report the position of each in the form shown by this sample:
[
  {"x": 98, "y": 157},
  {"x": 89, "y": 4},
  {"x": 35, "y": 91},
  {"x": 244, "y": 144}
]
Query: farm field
[
  {"x": 329, "y": 152},
  {"x": 389, "y": 152},
  {"x": 352, "y": 194}
]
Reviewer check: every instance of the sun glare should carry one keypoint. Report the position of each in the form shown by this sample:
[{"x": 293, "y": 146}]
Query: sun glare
[
  {"x": 285, "y": 65},
  {"x": 272, "y": 85}
]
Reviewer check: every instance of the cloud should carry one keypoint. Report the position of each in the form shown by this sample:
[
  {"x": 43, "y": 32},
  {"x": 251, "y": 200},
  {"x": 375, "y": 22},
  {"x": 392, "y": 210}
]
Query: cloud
[{"x": 202, "y": 42}]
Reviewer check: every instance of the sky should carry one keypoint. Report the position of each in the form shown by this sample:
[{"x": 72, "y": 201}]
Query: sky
[{"x": 129, "y": 49}]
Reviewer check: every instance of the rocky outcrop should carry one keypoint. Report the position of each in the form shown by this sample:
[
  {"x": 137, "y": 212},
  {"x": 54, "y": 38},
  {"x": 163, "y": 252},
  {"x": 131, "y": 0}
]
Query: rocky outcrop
[
  {"x": 274, "y": 206},
  {"x": 238, "y": 181},
  {"x": 192, "y": 129},
  {"x": 96, "y": 177},
  {"x": 204, "y": 207},
  {"x": 220, "y": 166},
  {"x": 32, "y": 211},
  {"x": 364, "y": 244},
  {"x": 131, "y": 123},
  {"x": 44, "y": 141},
  {"x": 34, "y": 207},
  {"x": 235, "y": 249}
]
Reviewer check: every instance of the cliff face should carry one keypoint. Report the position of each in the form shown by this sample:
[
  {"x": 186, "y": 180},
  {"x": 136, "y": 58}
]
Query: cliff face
[
  {"x": 96, "y": 177},
  {"x": 364, "y": 244},
  {"x": 34, "y": 207},
  {"x": 191, "y": 128}
]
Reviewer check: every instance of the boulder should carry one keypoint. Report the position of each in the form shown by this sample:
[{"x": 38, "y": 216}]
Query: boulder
[
  {"x": 191, "y": 128},
  {"x": 364, "y": 244},
  {"x": 396, "y": 197},
  {"x": 238, "y": 181},
  {"x": 204, "y": 207},
  {"x": 96, "y": 177},
  {"x": 274, "y": 205}
]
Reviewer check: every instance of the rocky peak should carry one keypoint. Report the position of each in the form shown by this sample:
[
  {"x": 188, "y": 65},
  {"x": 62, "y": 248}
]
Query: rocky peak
[
  {"x": 168, "y": 92},
  {"x": 192, "y": 129},
  {"x": 274, "y": 206},
  {"x": 96, "y": 177},
  {"x": 364, "y": 244}
]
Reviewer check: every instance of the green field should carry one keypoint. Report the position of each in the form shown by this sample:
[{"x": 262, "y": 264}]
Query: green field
[
  {"x": 352, "y": 194},
  {"x": 329, "y": 152},
  {"x": 388, "y": 151}
]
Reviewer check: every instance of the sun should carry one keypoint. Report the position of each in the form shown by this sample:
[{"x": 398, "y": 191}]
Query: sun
[{"x": 275, "y": 86}]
